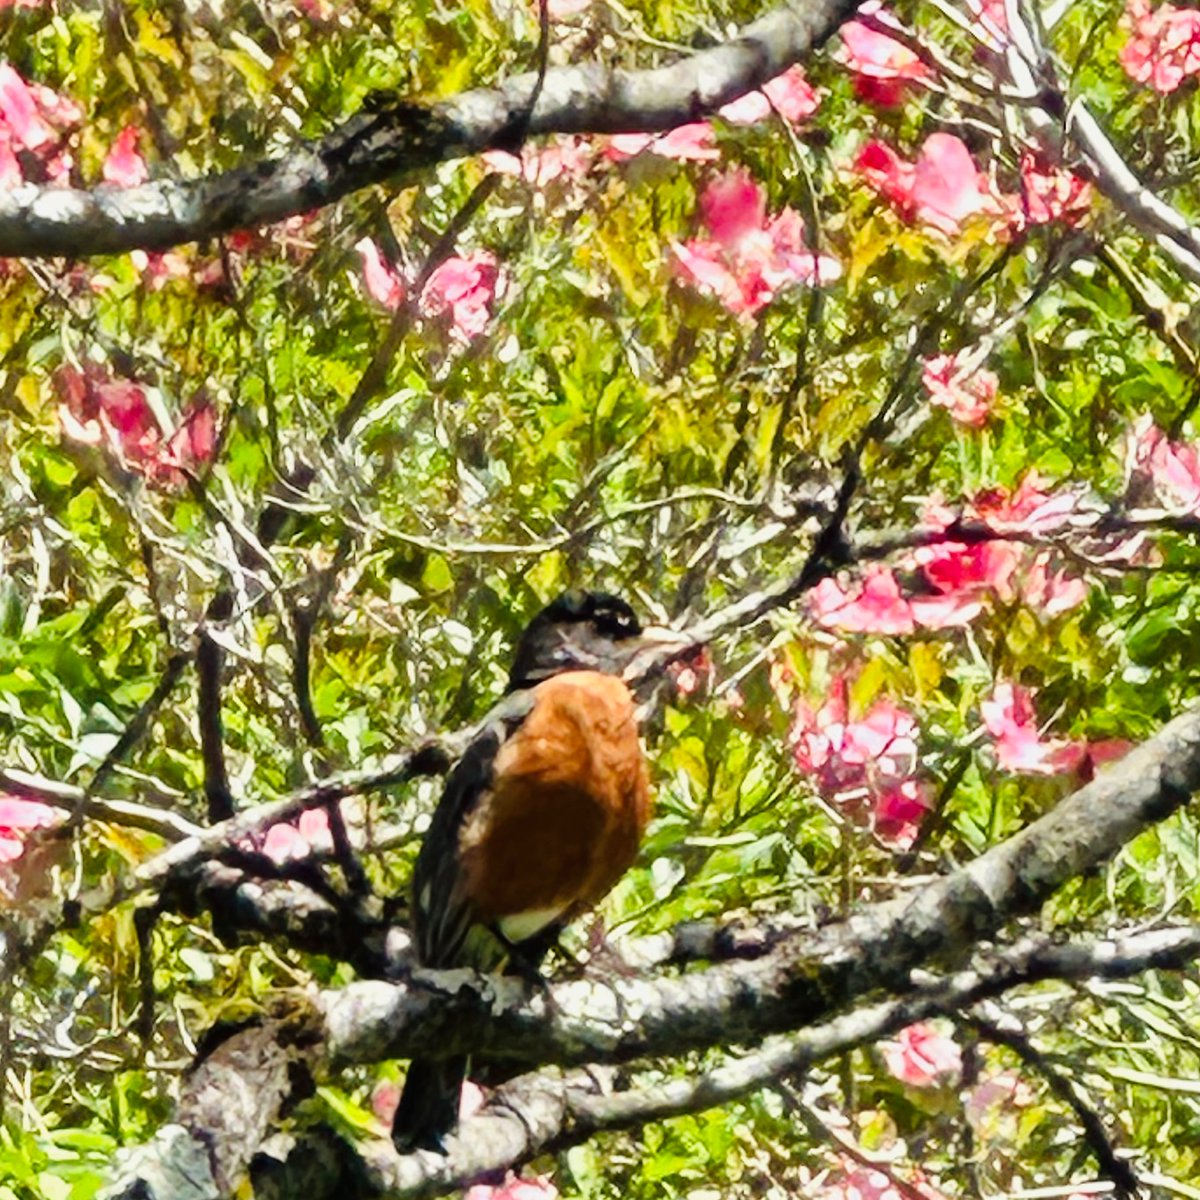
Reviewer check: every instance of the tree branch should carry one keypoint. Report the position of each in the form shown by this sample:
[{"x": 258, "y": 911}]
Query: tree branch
[
  {"x": 401, "y": 138},
  {"x": 550, "y": 1111},
  {"x": 804, "y": 977}
]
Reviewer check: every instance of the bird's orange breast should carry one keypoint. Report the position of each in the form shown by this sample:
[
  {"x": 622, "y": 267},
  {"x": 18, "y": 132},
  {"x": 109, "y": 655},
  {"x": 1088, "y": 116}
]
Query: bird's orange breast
[{"x": 566, "y": 810}]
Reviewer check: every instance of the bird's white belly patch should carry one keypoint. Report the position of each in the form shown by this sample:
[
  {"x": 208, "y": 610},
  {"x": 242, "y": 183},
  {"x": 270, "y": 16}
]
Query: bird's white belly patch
[{"x": 519, "y": 926}]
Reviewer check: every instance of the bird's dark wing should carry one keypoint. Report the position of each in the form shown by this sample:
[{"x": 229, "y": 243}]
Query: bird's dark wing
[{"x": 442, "y": 918}]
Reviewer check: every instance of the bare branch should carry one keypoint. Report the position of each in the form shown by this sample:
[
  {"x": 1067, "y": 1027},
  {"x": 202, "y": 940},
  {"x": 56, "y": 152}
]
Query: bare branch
[
  {"x": 402, "y": 138},
  {"x": 552, "y": 1110}
]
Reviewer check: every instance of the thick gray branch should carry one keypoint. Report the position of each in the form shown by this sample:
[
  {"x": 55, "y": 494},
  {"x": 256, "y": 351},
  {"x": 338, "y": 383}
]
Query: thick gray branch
[
  {"x": 399, "y": 139},
  {"x": 804, "y": 977},
  {"x": 551, "y": 1110}
]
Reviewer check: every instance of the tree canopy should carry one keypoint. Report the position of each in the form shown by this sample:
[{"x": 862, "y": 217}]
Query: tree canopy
[{"x": 338, "y": 337}]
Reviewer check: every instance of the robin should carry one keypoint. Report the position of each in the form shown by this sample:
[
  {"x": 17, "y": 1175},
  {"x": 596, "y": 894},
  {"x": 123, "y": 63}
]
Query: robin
[{"x": 541, "y": 816}]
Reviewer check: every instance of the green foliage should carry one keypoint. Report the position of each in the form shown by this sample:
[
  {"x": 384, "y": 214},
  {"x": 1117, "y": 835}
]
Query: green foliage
[{"x": 615, "y": 427}]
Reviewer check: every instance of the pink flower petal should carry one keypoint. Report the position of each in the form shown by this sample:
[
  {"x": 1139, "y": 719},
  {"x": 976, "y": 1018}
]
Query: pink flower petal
[
  {"x": 923, "y": 1058},
  {"x": 284, "y": 843},
  {"x": 1008, "y": 716},
  {"x": 789, "y": 94},
  {"x": 463, "y": 288},
  {"x": 884, "y": 68},
  {"x": 1164, "y": 46},
  {"x": 746, "y": 110},
  {"x": 124, "y": 166},
  {"x": 732, "y": 206},
  {"x": 703, "y": 265},
  {"x": 874, "y": 605},
  {"x": 16, "y": 813},
  {"x": 967, "y": 395},
  {"x": 793, "y": 97},
  {"x": 1051, "y": 194},
  {"x": 383, "y": 282},
  {"x": 20, "y": 111},
  {"x": 946, "y": 188},
  {"x": 899, "y": 809},
  {"x": 685, "y": 143}
]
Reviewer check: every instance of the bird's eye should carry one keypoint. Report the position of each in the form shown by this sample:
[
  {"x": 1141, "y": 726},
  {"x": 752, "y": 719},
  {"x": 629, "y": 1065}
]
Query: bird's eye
[{"x": 615, "y": 625}]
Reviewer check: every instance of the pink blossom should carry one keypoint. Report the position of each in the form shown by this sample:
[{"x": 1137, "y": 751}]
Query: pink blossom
[
  {"x": 1051, "y": 592},
  {"x": 685, "y": 143},
  {"x": 565, "y": 158},
  {"x": 383, "y": 282},
  {"x": 748, "y": 258},
  {"x": 923, "y": 1058},
  {"x": 867, "y": 764},
  {"x": 1050, "y": 194},
  {"x": 874, "y": 605},
  {"x": 1009, "y": 717},
  {"x": 20, "y": 111},
  {"x": 943, "y": 189},
  {"x": 841, "y": 755},
  {"x": 192, "y": 445},
  {"x": 33, "y": 118},
  {"x": 898, "y": 809},
  {"x": 1164, "y": 44},
  {"x": 514, "y": 1189},
  {"x": 789, "y": 94},
  {"x": 957, "y": 577},
  {"x": 948, "y": 189},
  {"x": 115, "y": 415},
  {"x": 975, "y": 568},
  {"x": 17, "y": 818},
  {"x": 1007, "y": 569},
  {"x": 124, "y": 166},
  {"x": 733, "y": 207},
  {"x": 1031, "y": 508},
  {"x": 285, "y": 841},
  {"x": 967, "y": 394},
  {"x": 463, "y": 289},
  {"x": 889, "y": 175},
  {"x": 1160, "y": 472},
  {"x": 884, "y": 69}
]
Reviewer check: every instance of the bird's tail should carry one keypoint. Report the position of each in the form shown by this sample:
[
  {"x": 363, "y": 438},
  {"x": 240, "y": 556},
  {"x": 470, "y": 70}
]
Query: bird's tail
[{"x": 428, "y": 1108}]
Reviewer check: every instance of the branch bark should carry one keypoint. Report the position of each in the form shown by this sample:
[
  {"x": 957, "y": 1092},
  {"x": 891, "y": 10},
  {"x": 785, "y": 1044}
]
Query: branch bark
[
  {"x": 402, "y": 138},
  {"x": 549, "y": 1111},
  {"x": 801, "y": 978}
]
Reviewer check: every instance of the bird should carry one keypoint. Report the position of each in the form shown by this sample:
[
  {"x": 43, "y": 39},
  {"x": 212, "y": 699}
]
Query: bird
[{"x": 541, "y": 816}]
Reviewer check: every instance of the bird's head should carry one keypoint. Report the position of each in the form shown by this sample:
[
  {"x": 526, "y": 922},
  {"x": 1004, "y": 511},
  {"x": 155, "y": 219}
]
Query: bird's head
[{"x": 583, "y": 631}]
